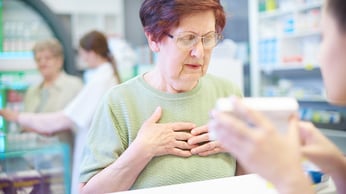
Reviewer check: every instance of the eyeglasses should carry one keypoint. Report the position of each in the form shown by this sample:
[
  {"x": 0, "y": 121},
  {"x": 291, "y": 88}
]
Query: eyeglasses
[{"x": 187, "y": 40}]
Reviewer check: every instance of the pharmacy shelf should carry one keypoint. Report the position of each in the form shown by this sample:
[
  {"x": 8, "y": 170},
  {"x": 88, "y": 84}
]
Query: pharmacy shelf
[
  {"x": 321, "y": 107},
  {"x": 293, "y": 72},
  {"x": 17, "y": 65},
  {"x": 282, "y": 12},
  {"x": 284, "y": 45},
  {"x": 17, "y": 61},
  {"x": 292, "y": 36},
  {"x": 301, "y": 34},
  {"x": 24, "y": 23},
  {"x": 13, "y": 55},
  {"x": 41, "y": 169}
]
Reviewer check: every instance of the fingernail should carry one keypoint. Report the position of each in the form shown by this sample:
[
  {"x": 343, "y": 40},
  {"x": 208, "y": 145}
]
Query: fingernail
[{"x": 192, "y": 131}]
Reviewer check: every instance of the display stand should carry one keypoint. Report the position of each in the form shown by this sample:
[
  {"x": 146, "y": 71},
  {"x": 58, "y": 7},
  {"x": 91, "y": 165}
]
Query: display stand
[{"x": 43, "y": 169}]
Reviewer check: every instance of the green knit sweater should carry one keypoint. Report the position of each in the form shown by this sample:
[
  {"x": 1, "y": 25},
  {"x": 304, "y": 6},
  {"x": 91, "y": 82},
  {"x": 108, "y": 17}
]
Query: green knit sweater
[{"x": 128, "y": 105}]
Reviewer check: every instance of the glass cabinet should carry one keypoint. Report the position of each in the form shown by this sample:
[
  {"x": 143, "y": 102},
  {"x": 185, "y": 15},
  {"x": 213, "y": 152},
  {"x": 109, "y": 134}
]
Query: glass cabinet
[{"x": 39, "y": 169}]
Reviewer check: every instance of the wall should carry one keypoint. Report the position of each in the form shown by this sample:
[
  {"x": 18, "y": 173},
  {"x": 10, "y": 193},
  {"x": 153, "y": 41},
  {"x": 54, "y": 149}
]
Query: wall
[
  {"x": 133, "y": 28},
  {"x": 81, "y": 16},
  {"x": 237, "y": 25}
]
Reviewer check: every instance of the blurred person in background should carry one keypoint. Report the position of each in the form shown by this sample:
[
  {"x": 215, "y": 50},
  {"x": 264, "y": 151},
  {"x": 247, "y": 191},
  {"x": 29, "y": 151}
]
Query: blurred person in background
[
  {"x": 152, "y": 130},
  {"x": 278, "y": 157},
  {"x": 102, "y": 75},
  {"x": 57, "y": 88}
]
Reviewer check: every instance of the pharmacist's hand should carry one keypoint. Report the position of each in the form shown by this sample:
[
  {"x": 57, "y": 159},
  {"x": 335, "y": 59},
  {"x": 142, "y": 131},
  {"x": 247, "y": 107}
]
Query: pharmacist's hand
[
  {"x": 9, "y": 115},
  {"x": 165, "y": 138},
  {"x": 45, "y": 133},
  {"x": 259, "y": 148},
  {"x": 202, "y": 143},
  {"x": 318, "y": 149}
]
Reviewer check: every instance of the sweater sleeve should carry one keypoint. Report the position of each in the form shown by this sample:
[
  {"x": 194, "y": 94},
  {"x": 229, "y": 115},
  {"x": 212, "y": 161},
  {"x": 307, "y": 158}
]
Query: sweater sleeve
[{"x": 102, "y": 148}]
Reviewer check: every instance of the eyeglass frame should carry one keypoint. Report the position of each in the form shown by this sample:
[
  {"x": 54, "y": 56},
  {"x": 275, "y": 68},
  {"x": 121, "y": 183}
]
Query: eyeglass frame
[{"x": 201, "y": 37}]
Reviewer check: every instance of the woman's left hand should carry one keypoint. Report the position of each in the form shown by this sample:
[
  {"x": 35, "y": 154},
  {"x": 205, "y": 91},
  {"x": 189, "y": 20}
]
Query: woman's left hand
[{"x": 204, "y": 146}]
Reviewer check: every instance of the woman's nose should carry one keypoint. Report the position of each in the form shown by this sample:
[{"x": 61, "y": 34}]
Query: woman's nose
[{"x": 198, "y": 50}]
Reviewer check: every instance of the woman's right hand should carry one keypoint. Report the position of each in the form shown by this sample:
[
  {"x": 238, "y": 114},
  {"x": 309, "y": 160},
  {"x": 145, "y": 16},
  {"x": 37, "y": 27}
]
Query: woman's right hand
[
  {"x": 323, "y": 153},
  {"x": 165, "y": 138},
  {"x": 318, "y": 149}
]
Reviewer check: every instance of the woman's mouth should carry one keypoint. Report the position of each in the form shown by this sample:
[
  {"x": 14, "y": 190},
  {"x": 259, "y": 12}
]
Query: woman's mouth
[{"x": 194, "y": 66}]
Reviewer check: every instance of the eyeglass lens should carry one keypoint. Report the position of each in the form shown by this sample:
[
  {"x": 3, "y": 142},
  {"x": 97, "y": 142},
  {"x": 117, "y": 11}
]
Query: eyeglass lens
[{"x": 188, "y": 40}]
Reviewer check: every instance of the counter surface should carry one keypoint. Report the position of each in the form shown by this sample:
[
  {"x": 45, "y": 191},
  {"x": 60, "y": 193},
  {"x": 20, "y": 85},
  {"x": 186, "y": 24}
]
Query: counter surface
[{"x": 246, "y": 184}]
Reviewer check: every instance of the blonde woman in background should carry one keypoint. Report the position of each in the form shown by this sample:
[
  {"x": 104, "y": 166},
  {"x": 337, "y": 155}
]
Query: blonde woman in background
[
  {"x": 103, "y": 74},
  {"x": 57, "y": 88},
  {"x": 278, "y": 157}
]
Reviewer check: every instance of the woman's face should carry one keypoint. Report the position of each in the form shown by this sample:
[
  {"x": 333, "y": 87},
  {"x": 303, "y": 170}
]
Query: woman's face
[
  {"x": 48, "y": 64},
  {"x": 180, "y": 68},
  {"x": 87, "y": 58},
  {"x": 333, "y": 59}
]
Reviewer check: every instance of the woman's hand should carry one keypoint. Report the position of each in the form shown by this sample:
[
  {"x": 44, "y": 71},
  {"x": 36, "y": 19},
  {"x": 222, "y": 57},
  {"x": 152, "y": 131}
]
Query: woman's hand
[
  {"x": 201, "y": 142},
  {"x": 9, "y": 115},
  {"x": 261, "y": 148},
  {"x": 168, "y": 138},
  {"x": 318, "y": 149},
  {"x": 257, "y": 148}
]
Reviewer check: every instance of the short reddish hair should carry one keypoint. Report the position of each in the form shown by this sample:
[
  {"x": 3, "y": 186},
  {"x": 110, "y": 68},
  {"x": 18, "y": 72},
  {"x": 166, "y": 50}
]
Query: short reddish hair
[{"x": 160, "y": 16}]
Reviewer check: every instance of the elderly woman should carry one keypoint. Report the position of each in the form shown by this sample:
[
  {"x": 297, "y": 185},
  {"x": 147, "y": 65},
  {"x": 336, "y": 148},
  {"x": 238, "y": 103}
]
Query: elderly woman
[
  {"x": 56, "y": 89},
  {"x": 278, "y": 157},
  {"x": 103, "y": 75},
  {"x": 151, "y": 130}
]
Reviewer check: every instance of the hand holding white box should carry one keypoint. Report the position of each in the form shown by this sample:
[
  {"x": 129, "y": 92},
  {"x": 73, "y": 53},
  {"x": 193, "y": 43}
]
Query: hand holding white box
[{"x": 277, "y": 109}]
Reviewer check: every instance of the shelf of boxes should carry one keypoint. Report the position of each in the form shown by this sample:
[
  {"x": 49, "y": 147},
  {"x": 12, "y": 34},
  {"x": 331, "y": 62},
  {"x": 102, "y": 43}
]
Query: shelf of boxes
[{"x": 285, "y": 42}]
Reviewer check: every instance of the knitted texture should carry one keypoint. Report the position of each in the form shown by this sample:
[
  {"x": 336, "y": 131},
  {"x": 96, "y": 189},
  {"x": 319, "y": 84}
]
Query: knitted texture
[{"x": 127, "y": 106}]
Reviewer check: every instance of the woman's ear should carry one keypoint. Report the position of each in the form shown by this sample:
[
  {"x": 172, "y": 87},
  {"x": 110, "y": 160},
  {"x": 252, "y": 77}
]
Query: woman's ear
[{"x": 152, "y": 44}]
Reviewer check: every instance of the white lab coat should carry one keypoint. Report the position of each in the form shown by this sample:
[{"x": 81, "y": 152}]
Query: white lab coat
[{"x": 82, "y": 109}]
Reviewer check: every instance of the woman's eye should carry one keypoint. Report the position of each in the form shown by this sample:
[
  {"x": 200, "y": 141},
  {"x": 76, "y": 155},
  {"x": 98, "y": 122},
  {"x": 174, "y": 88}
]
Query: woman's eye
[{"x": 189, "y": 37}]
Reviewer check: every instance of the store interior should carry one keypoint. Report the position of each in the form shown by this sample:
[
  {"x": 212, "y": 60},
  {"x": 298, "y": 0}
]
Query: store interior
[{"x": 269, "y": 49}]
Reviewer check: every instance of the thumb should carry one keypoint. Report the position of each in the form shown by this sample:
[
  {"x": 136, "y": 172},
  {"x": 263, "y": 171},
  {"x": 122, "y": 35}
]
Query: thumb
[
  {"x": 155, "y": 117},
  {"x": 293, "y": 132}
]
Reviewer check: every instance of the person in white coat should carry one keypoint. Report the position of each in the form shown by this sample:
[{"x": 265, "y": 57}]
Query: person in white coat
[{"x": 102, "y": 75}]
